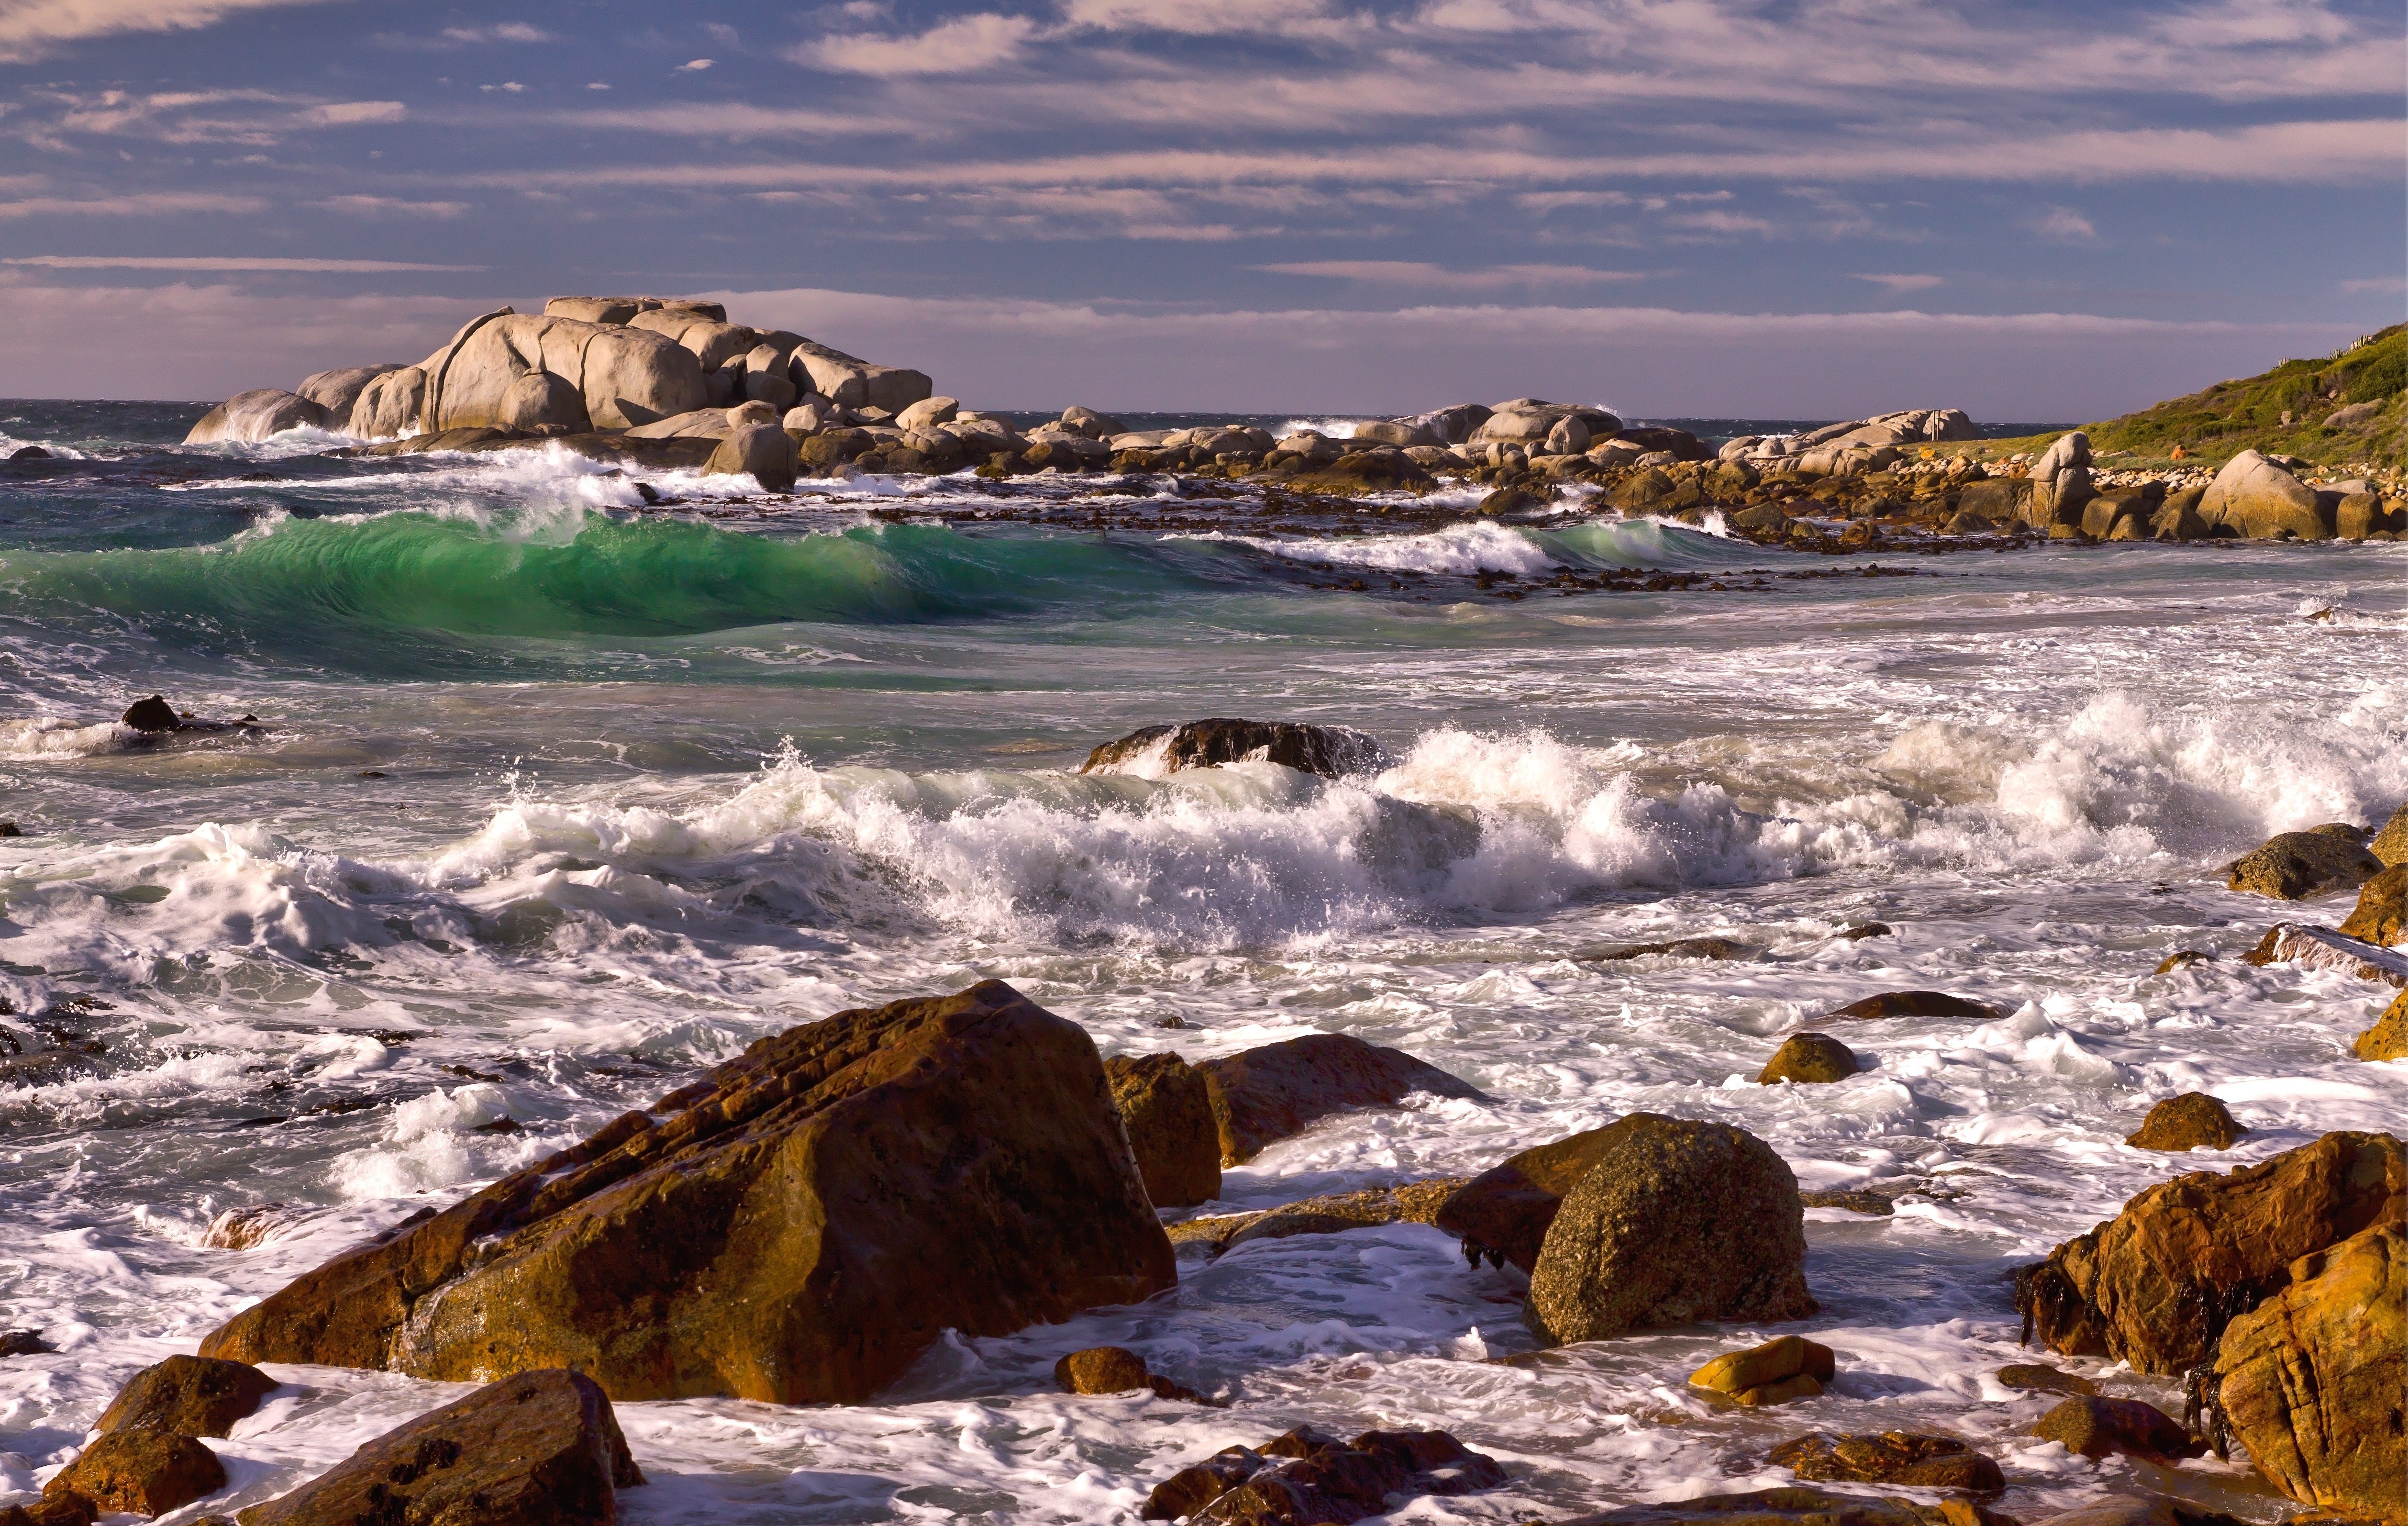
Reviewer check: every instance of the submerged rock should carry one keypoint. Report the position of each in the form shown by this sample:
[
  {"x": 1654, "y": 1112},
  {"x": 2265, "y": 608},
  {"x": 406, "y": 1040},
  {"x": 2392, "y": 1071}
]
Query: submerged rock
[
  {"x": 2156, "y": 1285},
  {"x": 200, "y": 1396},
  {"x": 1783, "y": 1368},
  {"x": 1893, "y": 1457},
  {"x": 542, "y": 1448},
  {"x": 1914, "y": 1004},
  {"x": 1308, "y": 1479},
  {"x": 795, "y": 1227},
  {"x": 2099, "y": 1426},
  {"x": 2182, "y": 959},
  {"x": 2033, "y": 1377},
  {"x": 1329, "y": 751},
  {"x": 1607, "y": 953},
  {"x": 2292, "y": 865},
  {"x": 140, "y": 1469},
  {"x": 1167, "y": 1109},
  {"x": 1506, "y": 1211},
  {"x": 1678, "y": 1221},
  {"x": 2312, "y": 1379},
  {"x": 1264, "y": 1096},
  {"x": 2193, "y": 1120},
  {"x": 1811, "y": 1059},
  {"x": 1410, "y": 1203}
]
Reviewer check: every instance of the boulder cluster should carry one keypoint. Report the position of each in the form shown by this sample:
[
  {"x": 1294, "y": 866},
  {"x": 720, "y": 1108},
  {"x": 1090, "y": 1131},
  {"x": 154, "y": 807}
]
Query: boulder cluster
[{"x": 2371, "y": 943}]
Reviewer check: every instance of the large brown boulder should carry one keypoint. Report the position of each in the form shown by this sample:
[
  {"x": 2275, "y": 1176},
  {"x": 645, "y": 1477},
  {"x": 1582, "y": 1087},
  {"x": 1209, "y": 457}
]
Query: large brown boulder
[
  {"x": 2255, "y": 497},
  {"x": 254, "y": 416},
  {"x": 794, "y": 1227},
  {"x": 625, "y": 376},
  {"x": 2312, "y": 1379},
  {"x": 1327, "y": 750},
  {"x": 1167, "y": 1109},
  {"x": 1506, "y": 1211},
  {"x": 540, "y": 1449},
  {"x": 2156, "y": 1285},
  {"x": 200, "y": 1396},
  {"x": 1809, "y": 1058},
  {"x": 138, "y": 1469},
  {"x": 2382, "y": 905},
  {"x": 338, "y": 390},
  {"x": 2193, "y": 1120},
  {"x": 2389, "y": 1038},
  {"x": 2389, "y": 845},
  {"x": 1892, "y": 1457},
  {"x": 1261, "y": 1096},
  {"x": 2293, "y": 864},
  {"x": 2092, "y": 1426},
  {"x": 1679, "y": 1222}
]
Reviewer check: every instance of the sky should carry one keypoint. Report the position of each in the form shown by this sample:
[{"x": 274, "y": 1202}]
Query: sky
[{"x": 1771, "y": 208}]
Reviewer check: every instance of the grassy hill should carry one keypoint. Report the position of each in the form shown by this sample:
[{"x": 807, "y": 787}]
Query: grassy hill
[{"x": 2281, "y": 412}]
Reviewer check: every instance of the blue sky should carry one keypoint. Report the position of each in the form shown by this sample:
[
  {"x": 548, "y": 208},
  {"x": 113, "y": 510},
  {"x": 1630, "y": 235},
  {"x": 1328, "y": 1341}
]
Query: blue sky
[{"x": 1767, "y": 208}]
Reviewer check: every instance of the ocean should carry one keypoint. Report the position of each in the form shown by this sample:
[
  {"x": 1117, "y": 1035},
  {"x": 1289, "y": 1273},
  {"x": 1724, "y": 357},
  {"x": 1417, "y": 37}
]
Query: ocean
[{"x": 558, "y": 798}]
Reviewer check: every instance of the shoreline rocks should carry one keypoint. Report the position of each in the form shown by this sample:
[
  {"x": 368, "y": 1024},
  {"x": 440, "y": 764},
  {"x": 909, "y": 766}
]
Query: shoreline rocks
[
  {"x": 2292, "y": 865},
  {"x": 1166, "y": 1108},
  {"x": 1783, "y": 1368},
  {"x": 1329, "y": 751},
  {"x": 1308, "y": 1478},
  {"x": 1263, "y": 1095},
  {"x": 1893, "y": 1457}
]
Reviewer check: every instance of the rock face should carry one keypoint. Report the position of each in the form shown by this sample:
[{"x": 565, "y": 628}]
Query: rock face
[
  {"x": 540, "y": 400},
  {"x": 2293, "y": 864},
  {"x": 2097, "y": 1427},
  {"x": 1309, "y": 1478},
  {"x": 794, "y": 1228},
  {"x": 1167, "y": 1109},
  {"x": 1916, "y": 1003},
  {"x": 255, "y": 415},
  {"x": 1506, "y": 1211},
  {"x": 540, "y": 1449},
  {"x": 1329, "y": 751},
  {"x": 2253, "y": 496},
  {"x": 1678, "y": 1221},
  {"x": 2391, "y": 845},
  {"x": 339, "y": 391},
  {"x": 1114, "y": 1369},
  {"x": 1785, "y": 1368},
  {"x": 2156, "y": 1285},
  {"x": 1893, "y": 1457},
  {"x": 2061, "y": 481},
  {"x": 199, "y": 1396},
  {"x": 2382, "y": 904},
  {"x": 764, "y": 453},
  {"x": 2193, "y": 1120},
  {"x": 154, "y": 714},
  {"x": 1797, "y": 1506},
  {"x": 2389, "y": 1038},
  {"x": 389, "y": 405},
  {"x": 1809, "y": 1058},
  {"x": 2312, "y": 1378},
  {"x": 624, "y": 375},
  {"x": 1262, "y": 1096},
  {"x": 136, "y": 1468}
]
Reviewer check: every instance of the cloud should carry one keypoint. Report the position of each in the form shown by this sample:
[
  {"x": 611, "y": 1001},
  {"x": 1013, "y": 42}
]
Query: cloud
[
  {"x": 502, "y": 31},
  {"x": 209, "y": 262},
  {"x": 694, "y": 66},
  {"x": 2377, "y": 286},
  {"x": 141, "y": 204},
  {"x": 1901, "y": 283},
  {"x": 387, "y": 206},
  {"x": 1415, "y": 273},
  {"x": 2064, "y": 225},
  {"x": 355, "y": 113},
  {"x": 32, "y": 29},
  {"x": 956, "y": 47}
]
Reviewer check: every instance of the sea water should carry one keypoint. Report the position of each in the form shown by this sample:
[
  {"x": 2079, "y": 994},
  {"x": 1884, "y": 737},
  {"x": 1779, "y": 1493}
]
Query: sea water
[{"x": 563, "y": 797}]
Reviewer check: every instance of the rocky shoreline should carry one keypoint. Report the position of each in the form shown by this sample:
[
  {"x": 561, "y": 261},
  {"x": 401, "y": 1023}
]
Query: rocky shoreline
[{"x": 669, "y": 384}]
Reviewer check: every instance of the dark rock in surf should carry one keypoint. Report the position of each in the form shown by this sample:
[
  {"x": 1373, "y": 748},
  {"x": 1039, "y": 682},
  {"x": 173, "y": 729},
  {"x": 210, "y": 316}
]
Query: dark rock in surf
[
  {"x": 2099, "y": 1427},
  {"x": 145, "y": 1471},
  {"x": 1167, "y": 1109},
  {"x": 2292, "y": 865},
  {"x": 2156, "y": 1285},
  {"x": 1893, "y": 1457},
  {"x": 2193, "y": 1120},
  {"x": 2389, "y": 846},
  {"x": 1505, "y": 1212},
  {"x": 1261, "y": 1096},
  {"x": 1115, "y": 1369},
  {"x": 2033, "y": 1377},
  {"x": 1914, "y": 1004},
  {"x": 1309, "y": 1478},
  {"x": 1607, "y": 953},
  {"x": 1785, "y": 1368},
  {"x": 2182, "y": 959},
  {"x": 542, "y": 1448},
  {"x": 1793, "y": 1507},
  {"x": 1329, "y": 751},
  {"x": 1812, "y": 1058},
  {"x": 1678, "y": 1221},
  {"x": 29, "y": 452},
  {"x": 200, "y": 1396},
  {"x": 795, "y": 1227},
  {"x": 150, "y": 715}
]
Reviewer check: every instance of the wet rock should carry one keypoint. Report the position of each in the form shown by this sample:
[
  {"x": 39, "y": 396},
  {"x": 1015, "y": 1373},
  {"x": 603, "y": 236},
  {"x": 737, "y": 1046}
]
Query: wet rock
[
  {"x": 1914, "y": 1004},
  {"x": 1873, "y": 1205},
  {"x": 23, "y": 1343},
  {"x": 150, "y": 715},
  {"x": 1308, "y": 1478},
  {"x": 199, "y": 1396},
  {"x": 2322, "y": 948},
  {"x": 2292, "y": 865},
  {"x": 1811, "y": 1059},
  {"x": 29, "y": 452},
  {"x": 1412, "y": 1203},
  {"x": 2389, "y": 1038},
  {"x": 1506, "y": 1211},
  {"x": 1264, "y": 1096},
  {"x": 1329, "y": 751},
  {"x": 2382, "y": 904},
  {"x": 794, "y": 1227},
  {"x": 1785, "y": 1368},
  {"x": 145, "y": 1471},
  {"x": 65, "y": 1510},
  {"x": 1794, "y": 1507},
  {"x": 2391, "y": 845},
  {"x": 1115, "y": 1369},
  {"x": 2033, "y": 1377},
  {"x": 1678, "y": 1221},
  {"x": 2193, "y": 1120},
  {"x": 2154, "y": 1510},
  {"x": 540, "y": 1449},
  {"x": 1894, "y": 1457},
  {"x": 1858, "y": 932},
  {"x": 2182, "y": 959},
  {"x": 2312, "y": 1379},
  {"x": 762, "y": 451},
  {"x": 1607, "y": 953},
  {"x": 255, "y": 415},
  {"x": 1167, "y": 1109},
  {"x": 2099, "y": 1426},
  {"x": 2156, "y": 1285}
]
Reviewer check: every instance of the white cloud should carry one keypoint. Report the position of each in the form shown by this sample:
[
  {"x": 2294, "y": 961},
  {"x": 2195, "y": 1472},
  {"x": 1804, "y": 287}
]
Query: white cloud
[
  {"x": 1430, "y": 277},
  {"x": 355, "y": 113},
  {"x": 2065, "y": 225},
  {"x": 502, "y": 32},
  {"x": 956, "y": 47},
  {"x": 141, "y": 204},
  {"x": 30, "y": 29},
  {"x": 1901, "y": 283},
  {"x": 209, "y": 262},
  {"x": 694, "y": 66},
  {"x": 387, "y": 206}
]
